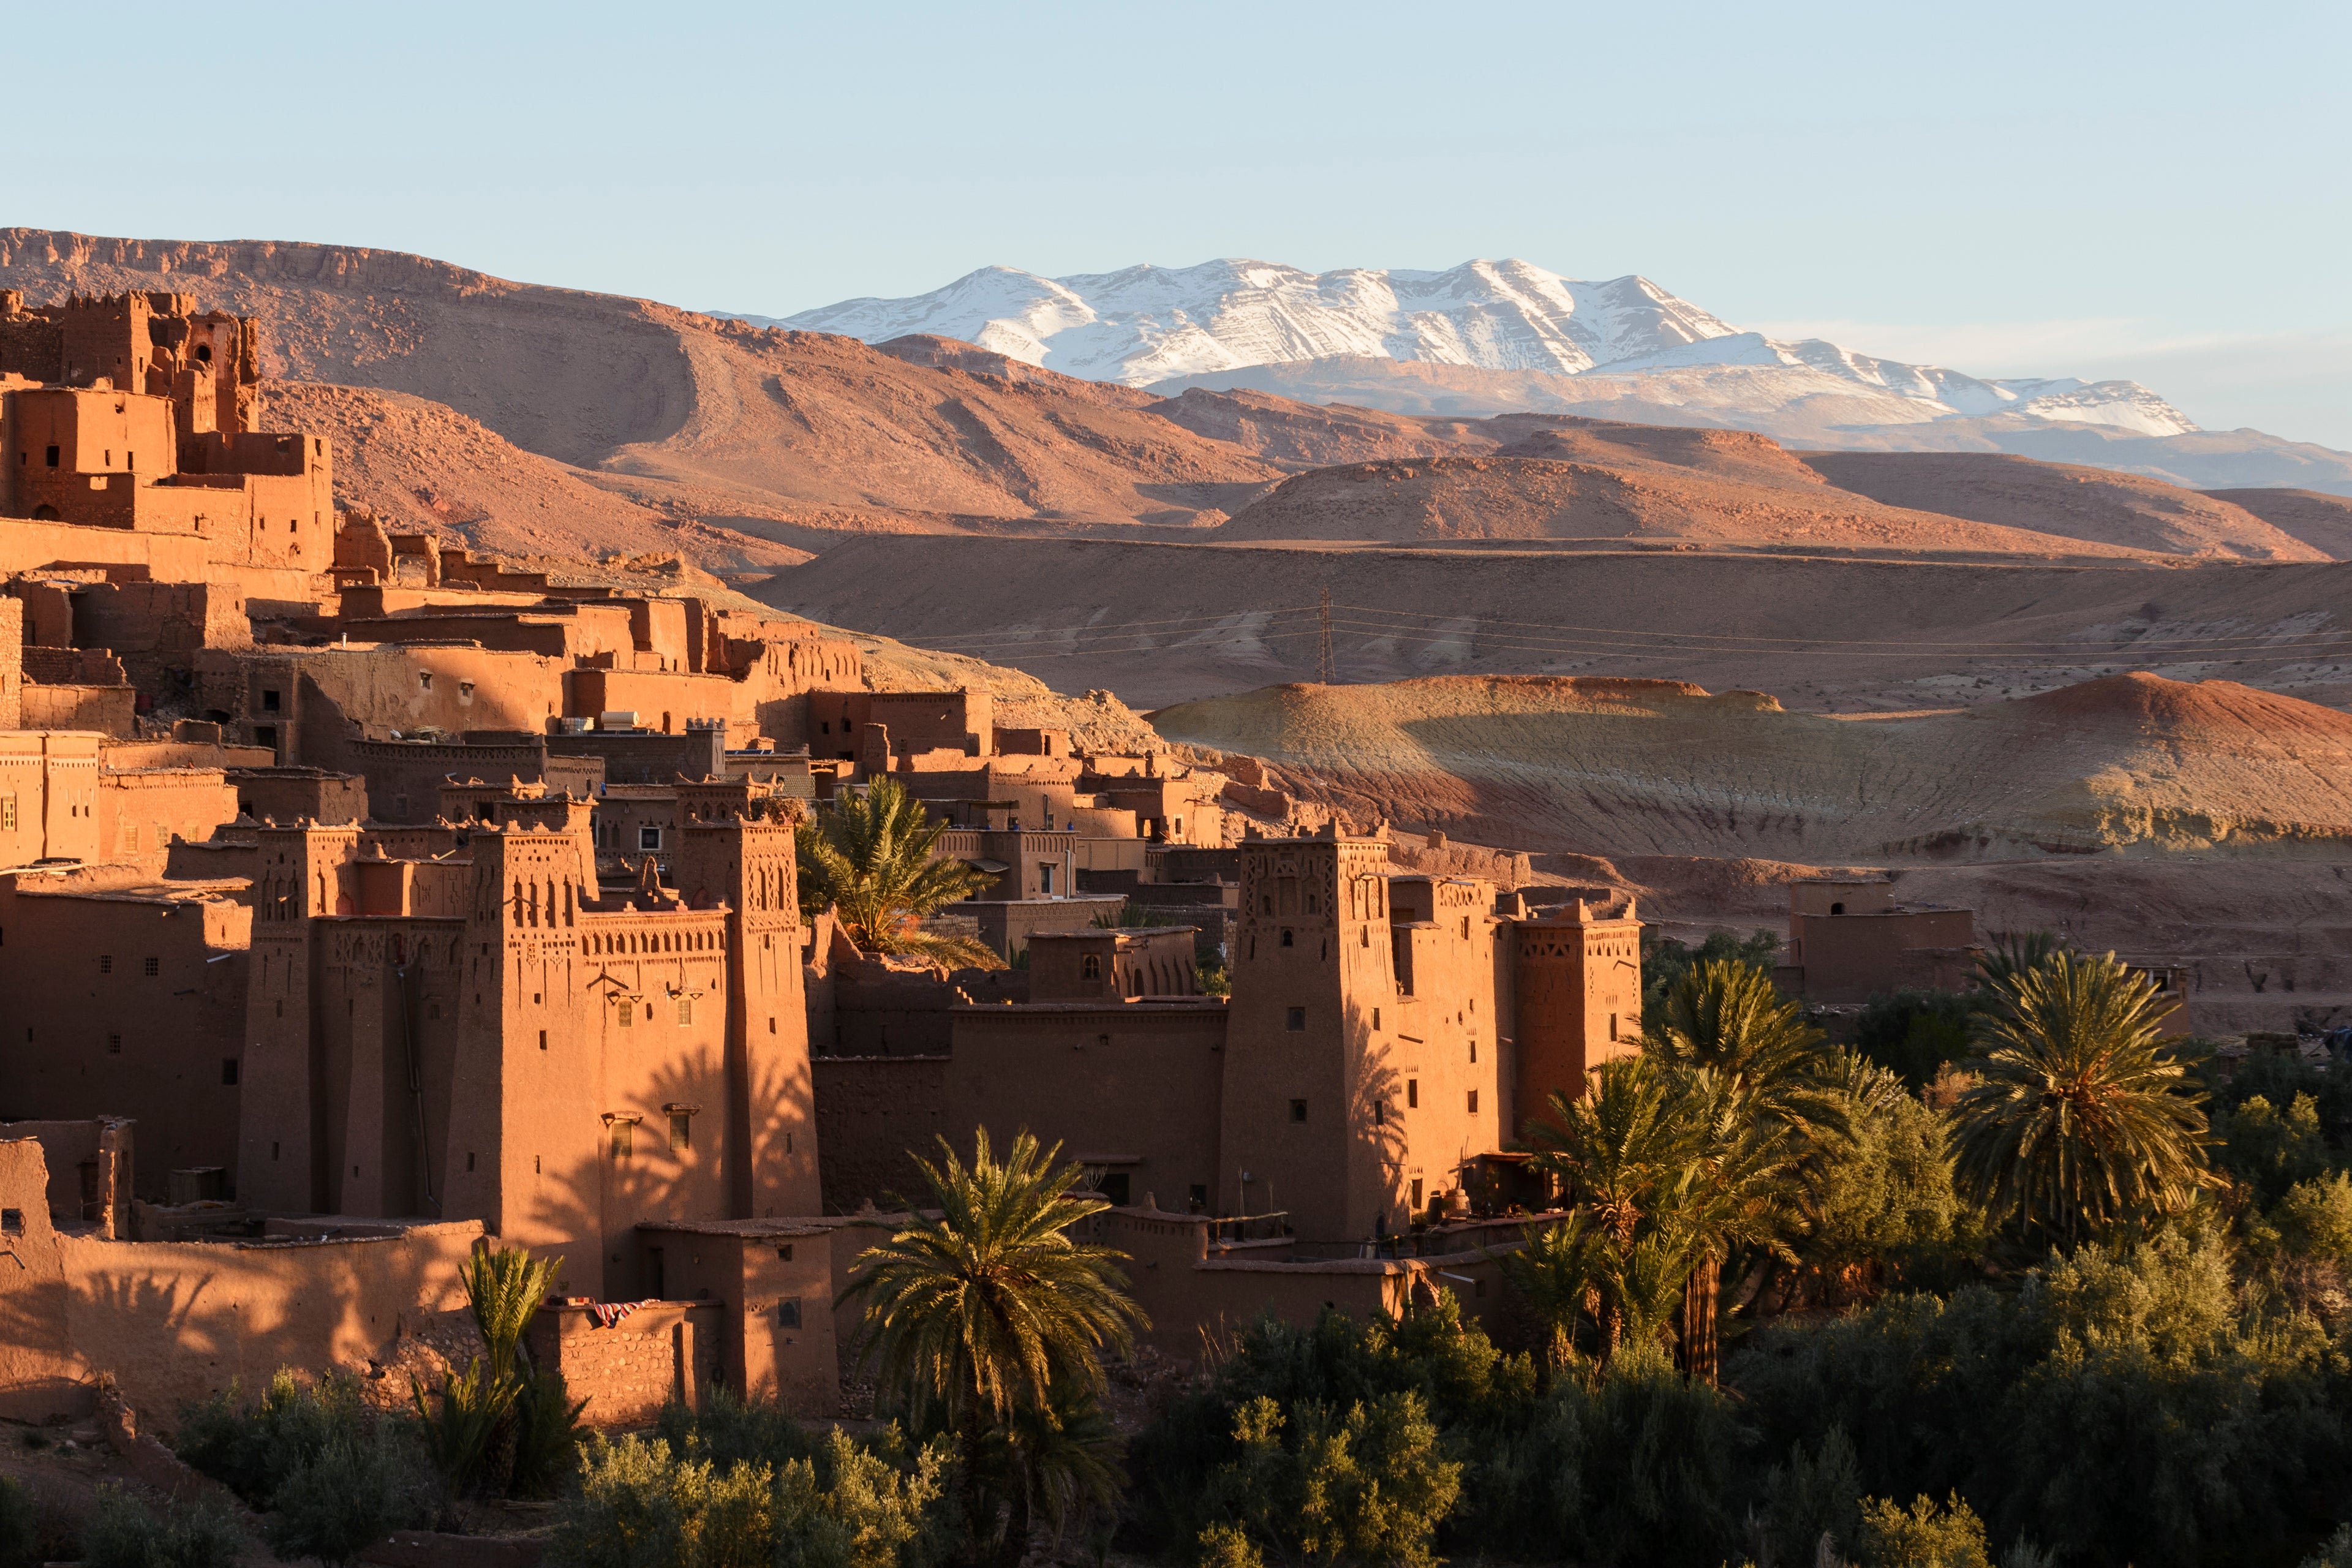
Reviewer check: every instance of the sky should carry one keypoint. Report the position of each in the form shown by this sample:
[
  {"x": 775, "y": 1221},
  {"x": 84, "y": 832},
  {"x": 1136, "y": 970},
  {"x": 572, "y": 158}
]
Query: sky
[{"x": 2151, "y": 189}]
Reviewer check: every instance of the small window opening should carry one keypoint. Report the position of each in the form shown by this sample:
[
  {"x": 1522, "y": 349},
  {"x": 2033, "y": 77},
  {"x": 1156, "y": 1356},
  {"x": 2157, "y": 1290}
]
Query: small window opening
[
  {"x": 1412, "y": 1094},
  {"x": 1473, "y": 1102},
  {"x": 106, "y": 963},
  {"x": 228, "y": 1071},
  {"x": 1296, "y": 1019},
  {"x": 1285, "y": 939},
  {"x": 270, "y": 702},
  {"x": 681, "y": 1129},
  {"x": 114, "y": 1045},
  {"x": 1298, "y": 1110},
  {"x": 150, "y": 965}
]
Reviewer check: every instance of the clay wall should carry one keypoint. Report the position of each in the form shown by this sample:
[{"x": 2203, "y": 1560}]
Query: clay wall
[
  {"x": 1041, "y": 795},
  {"x": 1036, "y": 865},
  {"x": 1132, "y": 1092},
  {"x": 639, "y": 758},
  {"x": 328, "y": 701},
  {"x": 1007, "y": 924},
  {"x": 49, "y": 796},
  {"x": 1434, "y": 1078},
  {"x": 1577, "y": 992},
  {"x": 870, "y": 1111},
  {"x": 626, "y": 1372},
  {"x": 403, "y": 779},
  {"x": 141, "y": 812},
  {"x": 125, "y": 1005},
  {"x": 1852, "y": 956},
  {"x": 774, "y": 1286},
  {"x": 90, "y": 1163},
  {"x": 41, "y": 1373},
  {"x": 1097, "y": 965},
  {"x": 294, "y": 795},
  {"x": 176, "y": 1321},
  {"x": 101, "y": 709}
]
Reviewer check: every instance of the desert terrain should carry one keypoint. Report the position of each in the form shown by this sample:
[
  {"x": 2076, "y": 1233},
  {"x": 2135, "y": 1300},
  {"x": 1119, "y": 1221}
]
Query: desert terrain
[{"x": 1691, "y": 661}]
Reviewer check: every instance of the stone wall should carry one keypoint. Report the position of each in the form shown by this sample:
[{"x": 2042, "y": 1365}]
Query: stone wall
[
  {"x": 870, "y": 1110},
  {"x": 626, "y": 1372}
]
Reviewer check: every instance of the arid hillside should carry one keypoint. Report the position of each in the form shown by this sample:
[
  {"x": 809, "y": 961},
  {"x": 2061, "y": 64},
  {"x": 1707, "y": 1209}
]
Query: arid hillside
[
  {"x": 2322, "y": 522},
  {"x": 682, "y": 411},
  {"x": 2129, "y": 764},
  {"x": 1165, "y": 623},
  {"x": 415, "y": 463},
  {"x": 2092, "y": 504}
]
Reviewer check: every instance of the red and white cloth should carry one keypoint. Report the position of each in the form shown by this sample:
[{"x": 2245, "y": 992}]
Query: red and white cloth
[{"x": 611, "y": 1312}]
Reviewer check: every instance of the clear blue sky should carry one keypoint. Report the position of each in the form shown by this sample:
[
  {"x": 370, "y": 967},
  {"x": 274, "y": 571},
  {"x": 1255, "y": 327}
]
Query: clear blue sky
[{"x": 2154, "y": 190}]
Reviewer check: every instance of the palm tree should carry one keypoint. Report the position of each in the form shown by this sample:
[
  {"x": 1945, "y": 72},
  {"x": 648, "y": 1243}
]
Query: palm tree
[
  {"x": 2082, "y": 1116},
  {"x": 984, "y": 1315},
  {"x": 869, "y": 858},
  {"x": 1625, "y": 1155},
  {"x": 2014, "y": 953},
  {"x": 1729, "y": 1017},
  {"x": 1738, "y": 1192}
]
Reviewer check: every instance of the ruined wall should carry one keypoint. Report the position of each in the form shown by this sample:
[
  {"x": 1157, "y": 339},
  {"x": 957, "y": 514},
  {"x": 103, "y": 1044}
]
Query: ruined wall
[{"x": 102, "y": 710}]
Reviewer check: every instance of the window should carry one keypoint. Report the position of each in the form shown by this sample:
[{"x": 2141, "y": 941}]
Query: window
[
  {"x": 1612, "y": 1026},
  {"x": 12, "y": 1221},
  {"x": 1416, "y": 1194},
  {"x": 628, "y": 1014},
  {"x": 648, "y": 837},
  {"x": 1090, "y": 967},
  {"x": 53, "y": 457},
  {"x": 1285, "y": 939},
  {"x": 151, "y": 966},
  {"x": 114, "y": 1045},
  {"x": 686, "y": 1009},
  {"x": 106, "y": 963},
  {"x": 424, "y": 681},
  {"x": 543, "y": 1039},
  {"x": 1114, "y": 1188},
  {"x": 470, "y": 1163},
  {"x": 788, "y": 1311},
  {"x": 681, "y": 1129},
  {"x": 624, "y": 1132},
  {"x": 1376, "y": 1018},
  {"x": 1298, "y": 1110},
  {"x": 1473, "y": 1102},
  {"x": 8, "y": 813},
  {"x": 266, "y": 735},
  {"x": 1412, "y": 1094},
  {"x": 1379, "y": 1112},
  {"x": 228, "y": 1071},
  {"x": 270, "y": 702},
  {"x": 1837, "y": 909},
  {"x": 1294, "y": 1019}
]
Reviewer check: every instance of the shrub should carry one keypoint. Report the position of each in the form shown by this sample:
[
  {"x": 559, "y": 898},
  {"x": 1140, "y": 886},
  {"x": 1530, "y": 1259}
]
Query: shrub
[
  {"x": 1664, "y": 961},
  {"x": 352, "y": 1494},
  {"x": 1814, "y": 1497},
  {"x": 126, "y": 1533},
  {"x": 2336, "y": 1553},
  {"x": 1914, "y": 1033},
  {"x": 1926, "y": 1535},
  {"x": 252, "y": 1449},
  {"x": 2116, "y": 1407},
  {"x": 640, "y": 1505},
  {"x": 2270, "y": 1150},
  {"x": 20, "y": 1525},
  {"x": 729, "y": 1430}
]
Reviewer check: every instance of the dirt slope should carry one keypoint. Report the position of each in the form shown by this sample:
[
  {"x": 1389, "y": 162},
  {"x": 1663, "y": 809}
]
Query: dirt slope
[
  {"x": 2057, "y": 498},
  {"x": 2322, "y": 522},
  {"x": 1164, "y": 622},
  {"x": 419, "y": 464},
  {"x": 2130, "y": 763}
]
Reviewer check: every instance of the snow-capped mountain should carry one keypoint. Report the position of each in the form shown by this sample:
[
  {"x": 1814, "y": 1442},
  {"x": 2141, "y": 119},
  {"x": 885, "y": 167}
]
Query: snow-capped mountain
[{"x": 1147, "y": 325}]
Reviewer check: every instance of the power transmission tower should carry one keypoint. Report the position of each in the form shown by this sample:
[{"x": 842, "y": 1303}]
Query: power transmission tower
[{"x": 1326, "y": 668}]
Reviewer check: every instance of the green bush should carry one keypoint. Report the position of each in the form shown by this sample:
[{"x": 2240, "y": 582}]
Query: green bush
[
  {"x": 1813, "y": 1496},
  {"x": 252, "y": 1449},
  {"x": 1638, "y": 1465},
  {"x": 1666, "y": 961},
  {"x": 2272, "y": 1149},
  {"x": 353, "y": 1493},
  {"x": 20, "y": 1525},
  {"x": 640, "y": 1505},
  {"x": 729, "y": 1430},
  {"x": 2336, "y": 1553},
  {"x": 1925, "y": 1535},
  {"x": 2120, "y": 1407},
  {"x": 1912, "y": 1034},
  {"x": 126, "y": 1533}
]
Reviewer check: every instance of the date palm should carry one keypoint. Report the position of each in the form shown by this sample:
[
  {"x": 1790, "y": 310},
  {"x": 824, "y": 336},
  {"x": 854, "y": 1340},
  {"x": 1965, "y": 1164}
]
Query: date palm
[
  {"x": 982, "y": 1317},
  {"x": 1729, "y": 1017},
  {"x": 870, "y": 858},
  {"x": 2081, "y": 1116}
]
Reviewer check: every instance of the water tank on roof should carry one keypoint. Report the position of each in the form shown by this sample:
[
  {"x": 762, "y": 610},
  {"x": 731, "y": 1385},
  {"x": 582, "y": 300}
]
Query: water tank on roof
[{"x": 617, "y": 718}]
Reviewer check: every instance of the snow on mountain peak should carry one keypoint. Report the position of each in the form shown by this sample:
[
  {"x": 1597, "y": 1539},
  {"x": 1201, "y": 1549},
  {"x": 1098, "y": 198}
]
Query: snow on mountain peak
[{"x": 1146, "y": 324}]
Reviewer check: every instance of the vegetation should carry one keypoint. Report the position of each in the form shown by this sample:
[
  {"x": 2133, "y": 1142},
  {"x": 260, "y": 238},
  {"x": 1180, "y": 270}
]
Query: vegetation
[
  {"x": 2084, "y": 1117},
  {"x": 500, "y": 1426},
  {"x": 1666, "y": 961},
  {"x": 868, "y": 857},
  {"x": 332, "y": 1474},
  {"x": 987, "y": 1324},
  {"x": 126, "y": 1533},
  {"x": 20, "y": 1526}
]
